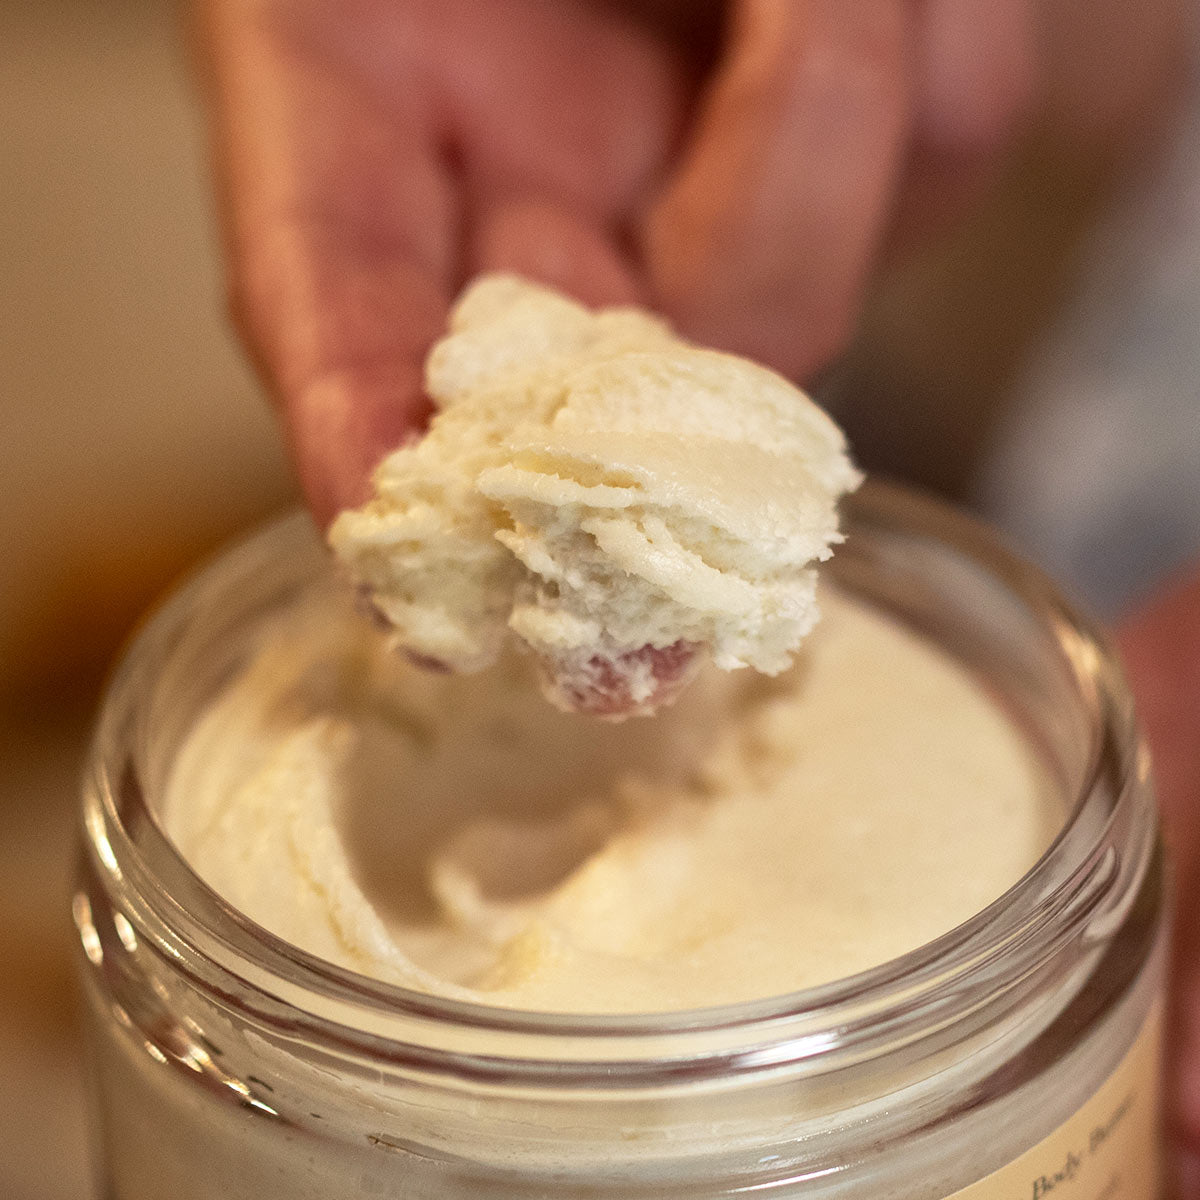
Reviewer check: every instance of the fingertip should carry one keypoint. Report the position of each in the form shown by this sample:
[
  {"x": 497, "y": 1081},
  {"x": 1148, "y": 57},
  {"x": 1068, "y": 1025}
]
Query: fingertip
[
  {"x": 979, "y": 76},
  {"x": 330, "y": 468},
  {"x": 343, "y": 425}
]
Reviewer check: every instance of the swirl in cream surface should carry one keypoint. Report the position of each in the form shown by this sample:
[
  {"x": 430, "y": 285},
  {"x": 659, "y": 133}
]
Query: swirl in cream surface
[{"x": 456, "y": 835}]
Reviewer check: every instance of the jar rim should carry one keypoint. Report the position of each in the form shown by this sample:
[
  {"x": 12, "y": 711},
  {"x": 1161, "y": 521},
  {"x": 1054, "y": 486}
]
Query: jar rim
[{"x": 1081, "y": 880}]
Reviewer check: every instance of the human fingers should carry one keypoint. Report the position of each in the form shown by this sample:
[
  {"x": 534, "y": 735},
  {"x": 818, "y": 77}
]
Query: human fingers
[
  {"x": 1161, "y": 648},
  {"x": 563, "y": 114},
  {"x": 341, "y": 222},
  {"x": 763, "y": 239}
]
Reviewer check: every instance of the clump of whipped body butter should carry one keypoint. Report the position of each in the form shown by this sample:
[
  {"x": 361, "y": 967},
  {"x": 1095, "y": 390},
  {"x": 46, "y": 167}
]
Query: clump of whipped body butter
[{"x": 621, "y": 502}]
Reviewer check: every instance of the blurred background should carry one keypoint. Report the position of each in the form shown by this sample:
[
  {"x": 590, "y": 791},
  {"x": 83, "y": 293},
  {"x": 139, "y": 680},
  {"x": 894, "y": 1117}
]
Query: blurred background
[
  {"x": 1039, "y": 363},
  {"x": 132, "y": 441}
]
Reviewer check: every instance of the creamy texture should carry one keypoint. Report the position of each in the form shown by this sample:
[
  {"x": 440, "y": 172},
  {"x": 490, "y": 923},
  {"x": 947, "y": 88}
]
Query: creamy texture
[
  {"x": 593, "y": 485},
  {"x": 457, "y": 836}
]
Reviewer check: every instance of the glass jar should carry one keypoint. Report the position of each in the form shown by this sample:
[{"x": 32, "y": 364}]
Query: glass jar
[{"x": 1014, "y": 1053}]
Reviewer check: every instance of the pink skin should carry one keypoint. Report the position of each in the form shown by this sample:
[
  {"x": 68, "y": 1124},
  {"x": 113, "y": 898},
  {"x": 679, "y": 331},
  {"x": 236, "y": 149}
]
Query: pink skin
[
  {"x": 1160, "y": 646},
  {"x": 373, "y": 154},
  {"x": 601, "y": 685}
]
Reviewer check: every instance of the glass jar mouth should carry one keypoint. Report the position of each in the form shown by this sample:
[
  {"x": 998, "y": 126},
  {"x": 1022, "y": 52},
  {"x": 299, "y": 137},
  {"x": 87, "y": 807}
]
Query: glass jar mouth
[{"x": 1078, "y": 890}]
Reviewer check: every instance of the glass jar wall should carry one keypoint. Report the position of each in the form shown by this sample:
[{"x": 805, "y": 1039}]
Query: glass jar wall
[{"x": 227, "y": 1063}]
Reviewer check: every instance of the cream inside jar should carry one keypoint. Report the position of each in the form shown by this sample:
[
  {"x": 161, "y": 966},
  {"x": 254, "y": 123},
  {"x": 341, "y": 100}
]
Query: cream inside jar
[
  {"x": 456, "y": 835},
  {"x": 232, "y": 1062}
]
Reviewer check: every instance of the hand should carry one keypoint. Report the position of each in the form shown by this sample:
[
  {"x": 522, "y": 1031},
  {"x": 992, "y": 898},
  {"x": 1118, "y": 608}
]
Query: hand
[
  {"x": 1161, "y": 649},
  {"x": 375, "y": 153}
]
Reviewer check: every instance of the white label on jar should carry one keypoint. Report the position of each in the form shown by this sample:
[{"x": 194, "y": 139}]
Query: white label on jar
[{"x": 1109, "y": 1150}]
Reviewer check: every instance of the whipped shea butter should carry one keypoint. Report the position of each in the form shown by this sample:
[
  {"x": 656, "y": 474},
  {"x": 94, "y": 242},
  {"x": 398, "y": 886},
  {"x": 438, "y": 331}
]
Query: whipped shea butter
[
  {"x": 870, "y": 908},
  {"x": 614, "y": 499}
]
